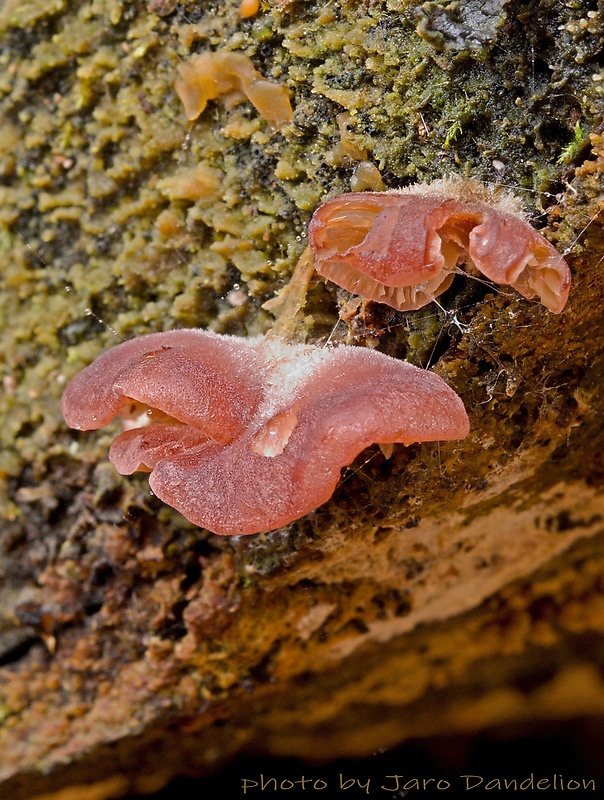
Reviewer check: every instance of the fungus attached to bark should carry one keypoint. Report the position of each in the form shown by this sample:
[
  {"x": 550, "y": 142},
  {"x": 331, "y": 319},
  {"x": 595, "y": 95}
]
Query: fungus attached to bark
[
  {"x": 404, "y": 248},
  {"x": 232, "y": 76},
  {"x": 253, "y": 433},
  {"x": 249, "y": 8}
]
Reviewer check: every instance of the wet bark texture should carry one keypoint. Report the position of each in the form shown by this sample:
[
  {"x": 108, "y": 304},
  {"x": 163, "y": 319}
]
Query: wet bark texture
[{"x": 452, "y": 587}]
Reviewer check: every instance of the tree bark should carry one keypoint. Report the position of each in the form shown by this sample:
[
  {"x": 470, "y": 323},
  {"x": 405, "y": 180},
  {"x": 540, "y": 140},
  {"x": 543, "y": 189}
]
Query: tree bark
[{"x": 452, "y": 587}]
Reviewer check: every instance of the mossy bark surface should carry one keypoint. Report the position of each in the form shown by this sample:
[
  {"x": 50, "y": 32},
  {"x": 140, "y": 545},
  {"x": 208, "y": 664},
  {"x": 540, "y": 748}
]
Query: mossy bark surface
[{"x": 452, "y": 587}]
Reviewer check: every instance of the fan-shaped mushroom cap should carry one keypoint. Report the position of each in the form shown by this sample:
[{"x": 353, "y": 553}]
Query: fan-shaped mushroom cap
[
  {"x": 403, "y": 248},
  {"x": 288, "y": 430},
  {"x": 201, "y": 379}
]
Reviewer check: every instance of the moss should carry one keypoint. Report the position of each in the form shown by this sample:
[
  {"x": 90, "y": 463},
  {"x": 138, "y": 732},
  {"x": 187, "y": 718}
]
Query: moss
[{"x": 573, "y": 147}]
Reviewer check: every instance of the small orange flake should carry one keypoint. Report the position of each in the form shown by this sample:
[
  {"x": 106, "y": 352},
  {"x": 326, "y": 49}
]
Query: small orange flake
[
  {"x": 248, "y": 8},
  {"x": 233, "y": 78}
]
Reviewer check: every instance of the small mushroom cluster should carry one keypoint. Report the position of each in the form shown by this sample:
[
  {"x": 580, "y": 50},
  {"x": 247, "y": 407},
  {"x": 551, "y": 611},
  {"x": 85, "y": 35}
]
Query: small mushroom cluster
[{"x": 247, "y": 435}]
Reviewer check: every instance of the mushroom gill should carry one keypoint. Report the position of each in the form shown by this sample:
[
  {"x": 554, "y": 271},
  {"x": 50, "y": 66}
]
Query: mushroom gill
[{"x": 404, "y": 248}]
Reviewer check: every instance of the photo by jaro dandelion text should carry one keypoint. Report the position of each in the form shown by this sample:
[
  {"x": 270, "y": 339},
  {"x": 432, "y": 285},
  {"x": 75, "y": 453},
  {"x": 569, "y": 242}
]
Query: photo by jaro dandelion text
[{"x": 391, "y": 784}]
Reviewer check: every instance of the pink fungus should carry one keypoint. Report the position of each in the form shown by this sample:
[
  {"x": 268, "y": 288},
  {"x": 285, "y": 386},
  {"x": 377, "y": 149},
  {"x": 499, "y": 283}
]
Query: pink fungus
[
  {"x": 404, "y": 248},
  {"x": 252, "y": 433}
]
